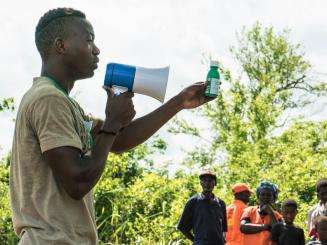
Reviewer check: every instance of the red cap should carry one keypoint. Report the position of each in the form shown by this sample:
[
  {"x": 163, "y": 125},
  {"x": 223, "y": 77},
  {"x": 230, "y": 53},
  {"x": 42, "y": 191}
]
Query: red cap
[{"x": 240, "y": 187}]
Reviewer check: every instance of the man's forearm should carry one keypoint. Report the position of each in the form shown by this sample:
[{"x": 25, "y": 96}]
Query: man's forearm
[
  {"x": 93, "y": 166},
  {"x": 273, "y": 218},
  {"x": 143, "y": 128},
  {"x": 249, "y": 228}
]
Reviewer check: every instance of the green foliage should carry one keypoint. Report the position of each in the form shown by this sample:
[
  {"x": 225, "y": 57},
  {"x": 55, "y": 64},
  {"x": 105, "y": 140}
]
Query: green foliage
[
  {"x": 7, "y": 235},
  {"x": 245, "y": 120},
  {"x": 137, "y": 203},
  {"x": 145, "y": 208},
  {"x": 7, "y": 104}
]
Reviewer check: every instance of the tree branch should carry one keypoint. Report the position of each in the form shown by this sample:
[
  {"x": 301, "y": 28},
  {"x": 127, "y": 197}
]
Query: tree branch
[{"x": 292, "y": 84}]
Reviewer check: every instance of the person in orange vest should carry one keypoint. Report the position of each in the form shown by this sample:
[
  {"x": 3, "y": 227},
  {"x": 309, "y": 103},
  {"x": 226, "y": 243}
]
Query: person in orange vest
[
  {"x": 242, "y": 194},
  {"x": 257, "y": 221}
]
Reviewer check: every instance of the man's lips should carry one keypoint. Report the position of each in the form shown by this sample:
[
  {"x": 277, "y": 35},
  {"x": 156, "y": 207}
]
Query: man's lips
[{"x": 95, "y": 62}]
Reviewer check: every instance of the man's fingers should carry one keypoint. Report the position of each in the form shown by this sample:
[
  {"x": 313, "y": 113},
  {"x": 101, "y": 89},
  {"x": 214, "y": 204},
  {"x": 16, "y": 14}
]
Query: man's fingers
[
  {"x": 207, "y": 99},
  {"x": 110, "y": 91},
  {"x": 128, "y": 94},
  {"x": 200, "y": 83}
]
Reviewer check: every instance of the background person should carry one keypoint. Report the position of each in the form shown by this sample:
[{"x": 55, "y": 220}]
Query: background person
[
  {"x": 242, "y": 194},
  {"x": 286, "y": 233},
  {"x": 203, "y": 220},
  {"x": 320, "y": 209},
  {"x": 256, "y": 221}
]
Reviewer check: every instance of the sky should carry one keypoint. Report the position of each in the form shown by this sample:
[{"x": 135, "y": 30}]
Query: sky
[{"x": 154, "y": 34}]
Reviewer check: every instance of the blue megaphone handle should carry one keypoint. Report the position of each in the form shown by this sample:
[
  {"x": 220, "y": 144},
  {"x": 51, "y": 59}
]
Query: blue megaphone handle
[{"x": 120, "y": 75}]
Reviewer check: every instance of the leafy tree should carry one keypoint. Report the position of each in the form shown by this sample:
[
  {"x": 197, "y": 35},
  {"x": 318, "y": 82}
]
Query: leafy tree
[
  {"x": 6, "y": 229},
  {"x": 246, "y": 120},
  {"x": 137, "y": 202}
]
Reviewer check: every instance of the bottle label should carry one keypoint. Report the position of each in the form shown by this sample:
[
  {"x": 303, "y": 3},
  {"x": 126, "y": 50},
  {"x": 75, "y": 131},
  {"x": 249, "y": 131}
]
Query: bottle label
[{"x": 213, "y": 85}]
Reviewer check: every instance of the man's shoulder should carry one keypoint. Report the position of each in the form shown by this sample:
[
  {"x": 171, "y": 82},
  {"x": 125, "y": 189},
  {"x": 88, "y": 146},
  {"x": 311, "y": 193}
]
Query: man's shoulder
[
  {"x": 42, "y": 89},
  {"x": 231, "y": 206},
  {"x": 237, "y": 205},
  {"x": 220, "y": 201},
  {"x": 251, "y": 209},
  {"x": 195, "y": 197},
  {"x": 278, "y": 225},
  {"x": 192, "y": 201},
  {"x": 298, "y": 227}
]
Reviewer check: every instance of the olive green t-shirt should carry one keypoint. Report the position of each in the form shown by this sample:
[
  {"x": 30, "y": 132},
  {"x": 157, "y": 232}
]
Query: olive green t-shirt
[{"x": 43, "y": 213}]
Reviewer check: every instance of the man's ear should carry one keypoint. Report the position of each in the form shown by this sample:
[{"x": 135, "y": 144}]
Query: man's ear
[{"x": 59, "y": 45}]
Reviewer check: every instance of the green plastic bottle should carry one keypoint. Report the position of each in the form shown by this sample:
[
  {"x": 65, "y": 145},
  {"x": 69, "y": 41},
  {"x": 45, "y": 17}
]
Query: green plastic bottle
[{"x": 213, "y": 80}]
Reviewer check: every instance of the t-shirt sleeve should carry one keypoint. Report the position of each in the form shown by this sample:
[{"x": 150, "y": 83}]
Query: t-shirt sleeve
[
  {"x": 246, "y": 215},
  {"x": 53, "y": 123},
  {"x": 275, "y": 232},
  {"x": 185, "y": 223}
]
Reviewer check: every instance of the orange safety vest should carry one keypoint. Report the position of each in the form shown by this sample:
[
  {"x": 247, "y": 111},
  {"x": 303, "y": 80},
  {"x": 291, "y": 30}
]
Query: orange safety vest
[
  {"x": 234, "y": 213},
  {"x": 261, "y": 238}
]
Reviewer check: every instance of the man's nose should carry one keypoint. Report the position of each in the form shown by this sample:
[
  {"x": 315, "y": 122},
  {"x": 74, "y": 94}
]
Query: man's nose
[{"x": 96, "y": 50}]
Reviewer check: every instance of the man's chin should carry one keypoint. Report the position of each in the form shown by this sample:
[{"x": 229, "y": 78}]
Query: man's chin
[{"x": 88, "y": 75}]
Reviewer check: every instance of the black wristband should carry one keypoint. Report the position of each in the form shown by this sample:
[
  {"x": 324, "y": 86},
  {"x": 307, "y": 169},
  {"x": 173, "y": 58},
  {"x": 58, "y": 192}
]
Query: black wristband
[{"x": 111, "y": 132}]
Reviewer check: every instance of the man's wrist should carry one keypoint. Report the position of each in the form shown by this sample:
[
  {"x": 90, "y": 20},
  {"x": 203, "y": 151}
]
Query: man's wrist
[
  {"x": 110, "y": 127},
  {"x": 178, "y": 102},
  {"x": 108, "y": 132},
  {"x": 266, "y": 227}
]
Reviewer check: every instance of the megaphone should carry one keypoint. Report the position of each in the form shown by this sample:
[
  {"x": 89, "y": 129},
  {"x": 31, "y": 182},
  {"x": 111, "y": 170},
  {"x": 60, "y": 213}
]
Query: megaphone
[{"x": 147, "y": 81}]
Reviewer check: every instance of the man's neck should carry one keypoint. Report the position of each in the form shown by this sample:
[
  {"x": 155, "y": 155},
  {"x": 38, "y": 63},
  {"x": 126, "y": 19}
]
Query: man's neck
[
  {"x": 56, "y": 74},
  {"x": 239, "y": 200},
  {"x": 208, "y": 195}
]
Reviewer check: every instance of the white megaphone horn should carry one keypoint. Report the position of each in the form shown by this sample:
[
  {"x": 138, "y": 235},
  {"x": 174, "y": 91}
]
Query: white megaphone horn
[{"x": 147, "y": 81}]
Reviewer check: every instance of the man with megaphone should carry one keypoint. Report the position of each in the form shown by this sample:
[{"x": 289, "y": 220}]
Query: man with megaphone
[{"x": 58, "y": 152}]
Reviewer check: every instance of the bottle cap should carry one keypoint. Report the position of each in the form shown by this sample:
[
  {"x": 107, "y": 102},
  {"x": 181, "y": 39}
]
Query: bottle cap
[{"x": 214, "y": 63}]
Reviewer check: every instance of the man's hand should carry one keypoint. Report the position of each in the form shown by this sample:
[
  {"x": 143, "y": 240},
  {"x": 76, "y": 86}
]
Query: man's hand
[
  {"x": 267, "y": 208},
  {"x": 266, "y": 227},
  {"x": 119, "y": 111},
  {"x": 142, "y": 128},
  {"x": 193, "y": 96}
]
